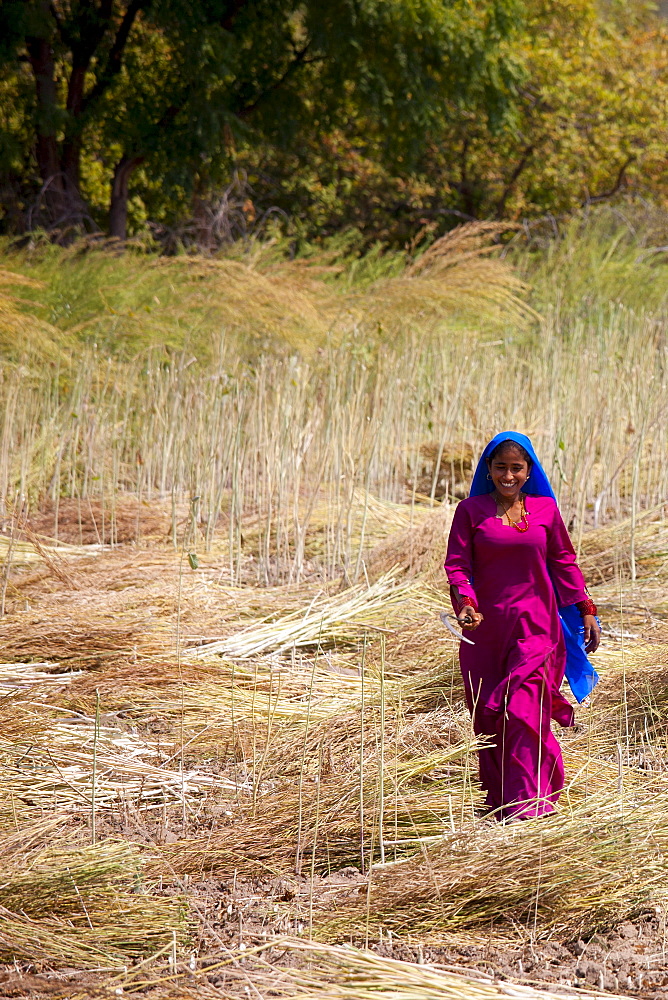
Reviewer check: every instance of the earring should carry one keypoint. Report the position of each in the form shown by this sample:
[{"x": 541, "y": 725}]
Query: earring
[{"x": 488, "y": 476}]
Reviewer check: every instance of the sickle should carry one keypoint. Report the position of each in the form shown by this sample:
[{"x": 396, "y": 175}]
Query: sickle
[{"x": 445, "y": 618}]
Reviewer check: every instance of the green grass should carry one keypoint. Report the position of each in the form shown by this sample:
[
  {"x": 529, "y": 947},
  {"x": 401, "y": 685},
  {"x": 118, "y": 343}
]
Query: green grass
[{"x": 602, "y": 260}]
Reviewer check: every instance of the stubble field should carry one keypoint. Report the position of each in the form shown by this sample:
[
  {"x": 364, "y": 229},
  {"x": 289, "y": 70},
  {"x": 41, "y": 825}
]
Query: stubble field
[{"x": 234, "y": 755}]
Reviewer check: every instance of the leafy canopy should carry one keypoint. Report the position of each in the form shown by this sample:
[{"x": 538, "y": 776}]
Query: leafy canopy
[{"x": 176, "y": 86}]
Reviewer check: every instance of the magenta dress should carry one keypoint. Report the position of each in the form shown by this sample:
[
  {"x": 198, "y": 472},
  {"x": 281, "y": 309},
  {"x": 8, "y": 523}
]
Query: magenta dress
[{"x": 513, "y": 673}]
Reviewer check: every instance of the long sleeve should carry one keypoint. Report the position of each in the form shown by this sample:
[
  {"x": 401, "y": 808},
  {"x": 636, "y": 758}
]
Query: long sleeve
[
  {"x": 562, "y": 564},
  {"x": 459, "y": 558}
]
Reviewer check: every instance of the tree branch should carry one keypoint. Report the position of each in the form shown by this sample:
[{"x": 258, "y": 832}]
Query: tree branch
[
  {"x": 115, "y": 57},
  {"x": 512, "y": 180},
  {"x": 604, "y": 196},
  {"x": 299, "y": 60}
]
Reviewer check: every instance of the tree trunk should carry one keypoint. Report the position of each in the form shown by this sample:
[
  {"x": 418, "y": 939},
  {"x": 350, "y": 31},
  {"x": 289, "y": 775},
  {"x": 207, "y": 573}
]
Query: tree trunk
[
  {"x": 53, "y": 196},
  {"x": 118, "y": 207},
  {"x": 60, "y": 205},
  {"x": 72, "y": 144}
]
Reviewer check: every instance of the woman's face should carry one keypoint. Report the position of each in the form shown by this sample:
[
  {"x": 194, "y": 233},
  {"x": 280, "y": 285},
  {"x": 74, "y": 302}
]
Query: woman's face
[{"x": 509, "y": 471}]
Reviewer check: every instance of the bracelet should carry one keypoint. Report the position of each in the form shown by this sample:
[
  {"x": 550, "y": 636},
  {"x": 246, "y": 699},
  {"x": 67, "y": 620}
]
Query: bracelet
[
  {"x": 587, "y": 607},
  {"x": 467, "y": 602}
]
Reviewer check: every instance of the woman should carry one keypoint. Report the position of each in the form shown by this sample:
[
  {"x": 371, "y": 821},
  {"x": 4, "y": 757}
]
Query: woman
[{"x": 511, "y": 567}]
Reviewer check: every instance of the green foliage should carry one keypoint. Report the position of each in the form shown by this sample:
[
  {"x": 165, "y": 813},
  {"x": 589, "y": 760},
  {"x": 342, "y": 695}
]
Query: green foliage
[
  {"x": 587, "y": 124},
  {"x": 212, "y": 120},
  {"x": 176, "y": 86}
]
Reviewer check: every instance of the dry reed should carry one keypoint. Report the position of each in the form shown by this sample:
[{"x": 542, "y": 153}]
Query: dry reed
[
  {"x": 281, "y": 481},
  {"x": 332, "y": 702},
  {"x": 326, "y": 972},
  {"x": 575, "y": 870},
  {"x": 82, "y": 905}
]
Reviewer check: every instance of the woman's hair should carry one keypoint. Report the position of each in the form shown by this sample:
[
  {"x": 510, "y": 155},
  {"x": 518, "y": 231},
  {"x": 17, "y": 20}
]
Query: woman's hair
[{"x": 513, "y": 444}]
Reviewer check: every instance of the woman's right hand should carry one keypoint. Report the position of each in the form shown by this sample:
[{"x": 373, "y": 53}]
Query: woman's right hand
[{"x": 469, "y": 618}]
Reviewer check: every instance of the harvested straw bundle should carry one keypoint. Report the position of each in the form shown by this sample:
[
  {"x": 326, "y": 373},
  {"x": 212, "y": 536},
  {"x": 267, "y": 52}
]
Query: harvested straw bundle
[
  {"x": 53, "y": 942},
  {"x": 324, "y": 622},
  {"x": 325, "y": 972},
  {"x": 592, "y": 773},
  {"x": 31, "y": 636},
  {"x": 75, "y": 765},
  {"x": 442, "y": 469},
  {"x": 126, "y": 927},
  {"x": 23, "y": 551},
  {"x": 18, "y": 841},
  {"x": 606, "y": 552},
  {"x": 213, "y": 692},
  {"x": 604, "y": 860},
  {"x": 52, "y": 881},
  {"x": 416, "y": 551},
  {"x": 15, "y": 677},
  {"x": 336, "y": 742},
  {"x": 81, "y": 905}
]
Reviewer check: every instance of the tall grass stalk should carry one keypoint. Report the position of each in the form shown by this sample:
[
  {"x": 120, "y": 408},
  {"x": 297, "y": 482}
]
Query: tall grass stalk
[
  {"x": 96, "y": 736},
  {"x": 361, "y": 786},
  {"x": 298, "y": 853},
  {"x": 381, "y": 771},
  {"x": 290, "y": 439}
]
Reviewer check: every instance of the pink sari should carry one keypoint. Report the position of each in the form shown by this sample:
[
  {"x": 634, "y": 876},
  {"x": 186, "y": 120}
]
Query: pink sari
[{"x": 513, "y": 673}]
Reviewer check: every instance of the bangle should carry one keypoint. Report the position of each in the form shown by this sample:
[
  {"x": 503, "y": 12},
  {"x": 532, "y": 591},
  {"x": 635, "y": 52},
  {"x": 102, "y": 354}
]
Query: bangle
[
  {"x": 587, "y": 607},
  {"x": 467, "y": 602}
]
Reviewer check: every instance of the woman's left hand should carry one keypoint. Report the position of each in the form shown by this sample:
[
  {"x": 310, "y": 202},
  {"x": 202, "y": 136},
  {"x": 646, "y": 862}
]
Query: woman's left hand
[{"x": 592, "y": 633}]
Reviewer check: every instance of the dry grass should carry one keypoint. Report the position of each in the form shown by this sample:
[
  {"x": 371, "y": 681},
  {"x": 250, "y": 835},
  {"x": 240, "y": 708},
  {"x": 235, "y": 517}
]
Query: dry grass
[
  {"x": 28, "y": 636},
  {"x": 570, "y": 871},
  {"x": 345, "y": 973},
  {"x": 25, "y": 334},
  {"x": 398, "y": 412},
  {"x": 322, "y": 729},
  {"x": 418, "y": 551},
  {"x": 329, "y": 816},
  {"x": 261, "y": 298},
  {"x": 90, "y": 521},
  {"x": 222, "y": 662},
  {"x": 81, "y": 905},
  {"x": 463, "y": 264},
  {"x": 636, "y": 545},
  {"x": 78, "y": 766}
]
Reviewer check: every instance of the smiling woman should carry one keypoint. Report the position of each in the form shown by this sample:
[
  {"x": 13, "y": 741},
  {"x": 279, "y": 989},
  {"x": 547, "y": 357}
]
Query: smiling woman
[
  {"x": 509, "y": 542},
  {"x": 509, "y": 468}
]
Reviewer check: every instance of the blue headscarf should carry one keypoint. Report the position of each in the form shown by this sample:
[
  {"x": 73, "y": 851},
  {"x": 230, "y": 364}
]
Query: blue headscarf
[{"x": 580, "y": 674}]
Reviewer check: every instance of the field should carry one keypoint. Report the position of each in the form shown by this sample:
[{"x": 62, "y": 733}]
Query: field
[{"x": 234, "y": 755}]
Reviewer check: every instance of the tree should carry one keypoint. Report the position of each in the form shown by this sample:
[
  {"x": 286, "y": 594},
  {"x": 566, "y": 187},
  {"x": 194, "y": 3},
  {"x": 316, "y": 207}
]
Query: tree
[
  {"x": 586, "y": 123},
  {"x": 590, "y": 118},
  {"x": 174, "y": 85}
]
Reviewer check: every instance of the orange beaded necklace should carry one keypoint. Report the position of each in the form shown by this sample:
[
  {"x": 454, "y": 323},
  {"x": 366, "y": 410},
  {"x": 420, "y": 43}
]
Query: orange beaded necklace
[{"x": 523, "y": 524}]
